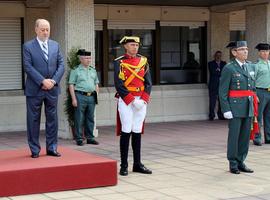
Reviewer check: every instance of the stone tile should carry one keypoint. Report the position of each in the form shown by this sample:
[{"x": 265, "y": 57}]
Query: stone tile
[
  {"x": 264, "y": 196},
  {"x": 31, "y": 197},
  {"x": 80, "y": 198},
  {"x": 116, "y": 196},
  {"x": 146, "y": 194},
  {"x": 96, "y": 191},
  {"x": 65, "y": 194}
]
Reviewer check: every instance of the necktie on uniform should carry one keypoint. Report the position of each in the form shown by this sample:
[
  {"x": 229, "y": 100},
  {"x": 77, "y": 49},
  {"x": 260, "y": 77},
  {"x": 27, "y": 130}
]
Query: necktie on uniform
[
  {"x": 45, "y": 50},
  {"x": 244, "y": 67}
]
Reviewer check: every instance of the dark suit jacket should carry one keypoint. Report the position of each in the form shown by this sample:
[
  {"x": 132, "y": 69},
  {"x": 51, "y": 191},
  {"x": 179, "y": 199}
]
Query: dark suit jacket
[
  {"x": 215, "y": 74},
  {"x": 37, "y": 68}
]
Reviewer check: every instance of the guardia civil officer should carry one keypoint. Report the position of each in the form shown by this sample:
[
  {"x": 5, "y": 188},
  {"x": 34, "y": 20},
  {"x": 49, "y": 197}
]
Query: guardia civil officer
[
  {"x": 262, "y": 76},
  {"x": 238, "y": 102},
  {"x": 83, "y": 88}
]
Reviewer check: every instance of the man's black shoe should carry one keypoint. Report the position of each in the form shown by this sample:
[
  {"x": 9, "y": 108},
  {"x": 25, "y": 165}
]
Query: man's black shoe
[
  {"x": 267, "y": 142},
  {"x": 53, "y": 153},
  {"x": 211, "y": 118},
  {"x": 245, "y": 169},
  {"x": 235, "y": 171},
  {"x": 123, "y": 171},
  {"x": 257, "y": 143},
  {"x": 94, "y": 142},
  {"x": 80, "y": 143},
  {"x": 141, "y": 169},
  {"x": 34, "y": 155}
]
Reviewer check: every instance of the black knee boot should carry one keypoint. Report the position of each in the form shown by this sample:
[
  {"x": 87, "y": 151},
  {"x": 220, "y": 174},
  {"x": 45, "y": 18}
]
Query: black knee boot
[
  {"x": 136, "y": 146},
  {"x": 124, "y": 146}
]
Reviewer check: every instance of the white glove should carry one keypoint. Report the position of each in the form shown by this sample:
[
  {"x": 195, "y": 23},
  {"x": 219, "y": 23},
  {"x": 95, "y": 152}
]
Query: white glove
[
  {"x": 228, "y": 115},
  {"x": 138, "y": 103}
]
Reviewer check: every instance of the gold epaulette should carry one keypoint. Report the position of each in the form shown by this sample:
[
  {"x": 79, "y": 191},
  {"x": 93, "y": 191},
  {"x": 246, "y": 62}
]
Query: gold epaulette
[{"x": 119, "y": 58}]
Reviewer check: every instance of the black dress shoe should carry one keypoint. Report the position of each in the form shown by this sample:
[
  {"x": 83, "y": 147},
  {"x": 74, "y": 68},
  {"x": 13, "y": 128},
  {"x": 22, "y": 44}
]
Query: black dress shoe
[
  {"x": 245, "y": 169},
  {"x": 123, "y": 171},
  {"x": 34, "y": 155},
  {"x": 257, "y": 143},
  {"x": 53, "y": 153},
  {"x": 267, "y": 142},
  {"x": 141, "y": 169},
  {"x": 79, "y": 143},
  {"x": 92, "y": 142},
  {"x": 235, "y": 171}
]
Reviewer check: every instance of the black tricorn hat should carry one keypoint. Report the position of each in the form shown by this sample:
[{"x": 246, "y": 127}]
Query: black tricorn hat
[
  {"x": 236, "y": 44},
  {"x": 262, "y": 46},
  {"x": 82, "y": 52},
  {"x": 127, "y": 39}
]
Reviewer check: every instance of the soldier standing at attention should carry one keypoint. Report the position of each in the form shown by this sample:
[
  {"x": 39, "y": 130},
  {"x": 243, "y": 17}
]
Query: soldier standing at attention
[
  {"x": 238, "y": 104},
  {"x": 133, "y": 85},
  {"x": 83, "y": 88},
  {"x": 262, "y": 76}
]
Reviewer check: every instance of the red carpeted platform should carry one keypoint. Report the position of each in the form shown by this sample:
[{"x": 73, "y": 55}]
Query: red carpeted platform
[{"x": 20, "y": 174}]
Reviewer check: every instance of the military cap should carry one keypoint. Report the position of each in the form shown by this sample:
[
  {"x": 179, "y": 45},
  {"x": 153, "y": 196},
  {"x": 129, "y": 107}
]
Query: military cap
[
  {"x": 262, "y": 46},
  {"x": 237, "y": 44},
  {"x": 127, "y": 39},
  {"x": 82, "y": 52}
]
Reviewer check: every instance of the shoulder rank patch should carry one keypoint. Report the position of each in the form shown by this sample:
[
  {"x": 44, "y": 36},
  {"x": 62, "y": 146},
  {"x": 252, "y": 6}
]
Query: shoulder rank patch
[{"x": 119, "y": 58}]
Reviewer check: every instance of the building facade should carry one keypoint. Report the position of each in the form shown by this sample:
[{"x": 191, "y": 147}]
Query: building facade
[{"x": 178, "y": 37}]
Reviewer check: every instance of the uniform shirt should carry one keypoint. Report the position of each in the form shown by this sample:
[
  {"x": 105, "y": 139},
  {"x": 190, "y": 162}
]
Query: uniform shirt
[
  {"x": 84, "y": 79},
  {"x": 262, "y": 74},
  {"x": 240, "y": 63}
]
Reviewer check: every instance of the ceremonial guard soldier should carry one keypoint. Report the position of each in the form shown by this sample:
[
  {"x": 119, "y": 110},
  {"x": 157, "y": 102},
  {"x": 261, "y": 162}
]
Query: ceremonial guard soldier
[
  {"x": 133, "y": 85},
  {"x": 262, "y": 76},
  {"x": 239, "y": 105}
]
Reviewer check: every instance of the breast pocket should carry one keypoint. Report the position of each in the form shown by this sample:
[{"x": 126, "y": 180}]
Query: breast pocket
[{"x": 233, "y": 100}]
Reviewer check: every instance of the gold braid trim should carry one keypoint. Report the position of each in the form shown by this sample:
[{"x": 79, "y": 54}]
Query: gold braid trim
[{"x": 137, "y": 68}]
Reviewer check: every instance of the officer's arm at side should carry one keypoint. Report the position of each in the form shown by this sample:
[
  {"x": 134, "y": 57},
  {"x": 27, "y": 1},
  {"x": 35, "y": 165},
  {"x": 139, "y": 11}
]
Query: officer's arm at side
[
  {"x": 147, "y": 86},
  {"x": 224, "y": 87}
]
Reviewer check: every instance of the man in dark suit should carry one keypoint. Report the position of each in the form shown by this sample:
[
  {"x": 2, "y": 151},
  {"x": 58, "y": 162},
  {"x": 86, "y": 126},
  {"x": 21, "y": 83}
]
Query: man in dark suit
[
  {"x": 44, "y": 66},
  {"x": 239, "y": 105},
  {"x": 215, "y": 67}
]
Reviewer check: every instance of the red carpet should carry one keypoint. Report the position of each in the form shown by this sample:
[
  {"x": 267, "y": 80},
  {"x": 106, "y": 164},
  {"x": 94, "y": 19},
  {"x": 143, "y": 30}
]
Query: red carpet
[{"x": 20, "y": 174}]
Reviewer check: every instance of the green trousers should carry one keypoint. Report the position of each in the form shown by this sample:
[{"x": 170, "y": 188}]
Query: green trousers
[
  {"x": 84, "y": 117},
  {"x": 264, "y": 115},
  {"x": 238, "y": 141}
]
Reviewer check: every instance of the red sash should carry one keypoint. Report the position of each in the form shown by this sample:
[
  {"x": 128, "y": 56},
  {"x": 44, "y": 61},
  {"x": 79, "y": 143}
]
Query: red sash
[{"x": 246, "y": 93}]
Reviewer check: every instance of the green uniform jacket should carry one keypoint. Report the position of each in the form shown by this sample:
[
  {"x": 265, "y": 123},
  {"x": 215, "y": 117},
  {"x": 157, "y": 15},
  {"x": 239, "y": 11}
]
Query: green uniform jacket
[{"x": 233, "y": 77}]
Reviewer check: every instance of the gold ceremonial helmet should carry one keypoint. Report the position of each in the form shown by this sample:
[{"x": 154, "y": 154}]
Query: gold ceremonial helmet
[{"x": 127, "y": 39}]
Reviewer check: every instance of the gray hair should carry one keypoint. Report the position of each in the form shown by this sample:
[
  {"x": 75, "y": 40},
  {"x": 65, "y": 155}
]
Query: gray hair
[{"x": 38, "y": 21}]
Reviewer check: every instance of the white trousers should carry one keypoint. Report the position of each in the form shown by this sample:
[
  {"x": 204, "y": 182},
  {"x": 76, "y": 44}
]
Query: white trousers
[{"x": 131, "y": 118}]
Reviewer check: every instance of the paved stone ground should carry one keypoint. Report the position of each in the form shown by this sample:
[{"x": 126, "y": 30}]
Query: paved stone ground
[{"x": 188, "y": 160}]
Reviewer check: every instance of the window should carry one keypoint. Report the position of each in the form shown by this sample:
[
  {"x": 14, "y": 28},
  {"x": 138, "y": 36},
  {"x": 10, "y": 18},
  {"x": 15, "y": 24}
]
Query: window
[
  {"x": 182, "y": 55},
  {"x": 11, "y": 77}
]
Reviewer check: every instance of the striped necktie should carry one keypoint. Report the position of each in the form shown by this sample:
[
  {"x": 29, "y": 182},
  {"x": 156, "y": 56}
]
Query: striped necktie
[{"x": 45, "y": 50}]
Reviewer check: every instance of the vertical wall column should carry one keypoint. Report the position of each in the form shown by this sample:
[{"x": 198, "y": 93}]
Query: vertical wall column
[
  {"x": 258, "y": 27},
  {"x": 72, "y": 26},
  {"x": 219, "y": 34}
]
